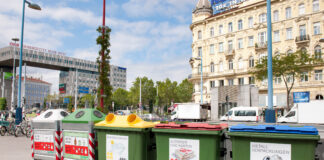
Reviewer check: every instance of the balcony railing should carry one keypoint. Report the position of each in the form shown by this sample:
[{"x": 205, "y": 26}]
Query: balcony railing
[
  {"x": 229, "y": 52},
  {"x": 261, "y": 45},
  {"x": 302, "y": 39}
]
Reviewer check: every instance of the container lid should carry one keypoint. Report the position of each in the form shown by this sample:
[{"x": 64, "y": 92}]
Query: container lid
[
  {"x": 130, "y": 121},
  {"x": 51, "y": 115},
  {"x": 309, "y": 130},
  {"x": 192, "y": 126},
  {"x": 84, "y": 116}
]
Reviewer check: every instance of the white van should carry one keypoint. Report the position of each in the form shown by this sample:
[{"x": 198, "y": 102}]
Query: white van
[{"x": 243, "y": 114}]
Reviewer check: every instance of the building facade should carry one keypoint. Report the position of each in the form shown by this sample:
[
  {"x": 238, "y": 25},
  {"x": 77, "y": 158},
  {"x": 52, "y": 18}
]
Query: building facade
[{"x": 230, "y": 43}]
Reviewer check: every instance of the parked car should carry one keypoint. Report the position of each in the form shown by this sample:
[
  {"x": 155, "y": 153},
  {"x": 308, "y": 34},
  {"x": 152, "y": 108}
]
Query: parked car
[
  {"x": 151, "y": 117},
  {"x": 243, "y": 114}
]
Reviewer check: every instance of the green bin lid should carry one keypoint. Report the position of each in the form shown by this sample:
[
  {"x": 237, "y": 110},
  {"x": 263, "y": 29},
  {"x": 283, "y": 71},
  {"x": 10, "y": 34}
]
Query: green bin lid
[{"x": 84, "y": 116}]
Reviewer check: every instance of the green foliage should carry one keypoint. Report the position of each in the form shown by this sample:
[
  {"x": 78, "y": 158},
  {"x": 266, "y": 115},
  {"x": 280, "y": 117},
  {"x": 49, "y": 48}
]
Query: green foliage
[
  {"x": 148, "y": 91},
  {"x": 3, "y": 103},
  {"x": 70, "y": 104},
  {"x": 167, "y": 92},
  {"x": 87, "y": 99},
  {"x": 286, "y": 66},
  {"x": 184, "y": 91},
  {"x": 120, "y": 98},
  {"x": 104, "y": 67}
]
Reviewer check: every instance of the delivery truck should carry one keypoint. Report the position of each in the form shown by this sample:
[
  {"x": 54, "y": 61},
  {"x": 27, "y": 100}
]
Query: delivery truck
[
  {"x": 189, "y": 112},
  {"x": 311, "y": 112}
]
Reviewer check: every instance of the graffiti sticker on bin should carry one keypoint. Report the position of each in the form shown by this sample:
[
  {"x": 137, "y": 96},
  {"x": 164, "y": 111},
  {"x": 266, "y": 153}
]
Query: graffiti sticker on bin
[
  {"x": 44, "y": 141},
  {"x": 116, "y": 147},
  {"x": 76, "y": 145},
  {"x": 183, "y": 149}
]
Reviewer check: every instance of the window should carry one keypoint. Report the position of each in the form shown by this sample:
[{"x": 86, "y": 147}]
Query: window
[
  {"x": 304, "y": 77},
  {"x": 199, "y": 51},
  {"x": 221, "y": 47},
  {"x": 221, "y": 66},
  {"x": 212, "y": 84},
  {"x": 302, "y": 31},
  {"x": 317, "y": 29},
  {"x": 319, "y": 97},
  {"x": 221, "y": 82},
  {"x": 318, "y": 75},
  {"x": 289, "y": 51},
  {"x": 240, "y": 24},
  {"x": 291, "y": 114},
  {"x": 220, "y": 29},
  {"x": 211, "y": 48},
  {"x": 301, "y": 9},
  {"x": 276, "y": 36},
  {"x": 230, "y": 64},
  {"x": 277, "y": 80},
  {"x": 241, "y": 81},
  {"x": 240, "y": 43},
  {"x": 199, "y": 68},
  {"x": 315, "y": 5},
  {"x": 230, "y": 46},
  {"x": 251, "y": 41},
  {"x": 251, "y": 62},
  {"x": 240, "y": 63},
  {"x": 230, "y": 27},
  {"x": 289, "y": 78},
  {"x": 251, "y": 80},
  {"x": 288, "y": 12},
  {"x": 230, "y": 82},
  {"x": 262, "y": 37},
  {"x": 276, "y": 16},
  {"x": 212, "y": 68},
  {"x": 199, "y": 35},
  {"x": 212, "y": 32},
  {"x": 262, "y": 18},
  {"x": 250, "y": 22},
  {"x": 289, "y": 33},
  {"x": 318, "y": 52}
]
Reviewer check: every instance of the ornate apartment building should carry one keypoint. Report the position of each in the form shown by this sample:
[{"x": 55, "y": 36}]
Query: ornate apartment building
[{"x": 229, "y": 43}]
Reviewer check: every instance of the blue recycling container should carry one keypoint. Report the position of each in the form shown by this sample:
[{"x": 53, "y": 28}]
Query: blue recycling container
[{"x": 273, "y": 142}]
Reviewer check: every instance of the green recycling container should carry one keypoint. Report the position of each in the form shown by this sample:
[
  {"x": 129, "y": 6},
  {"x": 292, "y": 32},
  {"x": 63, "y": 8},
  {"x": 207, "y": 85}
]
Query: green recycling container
[
  {"x": 194, "y": 141},
  {"x": 78, "y": 131},
  {"x": 125, "y": 138},
  {"x": 279, "y": 142}
]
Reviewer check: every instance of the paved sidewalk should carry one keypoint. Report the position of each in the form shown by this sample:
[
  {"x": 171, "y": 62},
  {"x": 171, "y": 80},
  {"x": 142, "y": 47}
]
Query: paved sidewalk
[{"x": 13, "y": 148}]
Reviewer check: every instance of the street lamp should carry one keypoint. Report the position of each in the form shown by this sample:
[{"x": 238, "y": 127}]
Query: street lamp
[
  {"x": 32, "y": 6},
  {"x": 14, "y": 73},
  {"x": 201, "y": 79}
]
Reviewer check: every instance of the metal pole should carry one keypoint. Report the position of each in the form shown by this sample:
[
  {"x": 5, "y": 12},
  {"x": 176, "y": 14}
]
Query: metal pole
[
  {"x": 270, "y": 112},
  {"x": 3, "y": 82},
  {"x": 140, "y": 98},
  {"x": 102, "y": 53},
  {"x": 76, "y": 90},
  {"x": 14, "y": 77},
  {"x": 25, "y": 100},
  {"x": 201, "y": 79},
  {"x": 21, "y": 53}
]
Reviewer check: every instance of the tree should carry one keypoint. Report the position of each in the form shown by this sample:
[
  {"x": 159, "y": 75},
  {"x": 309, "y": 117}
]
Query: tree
[
  {"x": 3, "y": 103},
  {"x": 120, "y": 98},
  {"x": 167, "y": 92},
  {"x": 286, "y": 66},
  {"x": 104, "y": 68},
  {"x": 148, "y": 91},
  {"x": 88, "y": 98},
  {"x": 184, "y": 91}
]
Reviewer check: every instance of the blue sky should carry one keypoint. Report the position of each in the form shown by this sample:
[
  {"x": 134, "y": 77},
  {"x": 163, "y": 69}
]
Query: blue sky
[{"x": 150, "y": 37}]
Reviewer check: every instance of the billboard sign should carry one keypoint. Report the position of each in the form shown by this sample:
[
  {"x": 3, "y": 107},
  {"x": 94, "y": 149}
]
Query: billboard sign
[
  {"x": 220, "y": 6},
  {"x": 301, "y": 97},
  {"x": 62, "y": 88},
  {"x": 84, "y": 90},
  {"x": 66, "y": 100},
  {"x": 38, "y": 49}
]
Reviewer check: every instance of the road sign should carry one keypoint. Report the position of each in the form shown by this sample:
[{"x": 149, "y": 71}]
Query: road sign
[{"x": 301, "y": 97}]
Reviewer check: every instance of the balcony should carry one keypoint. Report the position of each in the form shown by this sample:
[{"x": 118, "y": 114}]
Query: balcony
[
  {"x": 229, "y": 53},
  {"x": 302, "y": 39},
  {"x": 261, "y": 46},
  {"x": 197, "y": 76}
]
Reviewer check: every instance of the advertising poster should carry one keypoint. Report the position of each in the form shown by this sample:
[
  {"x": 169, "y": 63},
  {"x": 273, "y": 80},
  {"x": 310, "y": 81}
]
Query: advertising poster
[
  {"x": 183, "y": 149},
  {"x": 76, "y": 145},
  {"x": 116, "y": 147},
  {"x": 270, "y": 151},
  {"x": 44, "y": 141}
]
